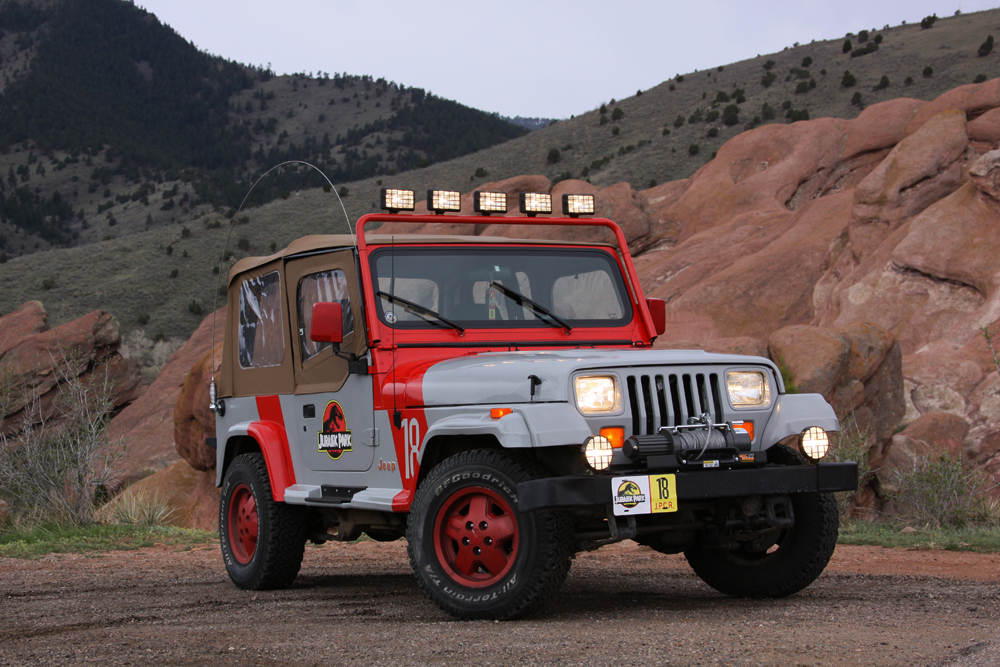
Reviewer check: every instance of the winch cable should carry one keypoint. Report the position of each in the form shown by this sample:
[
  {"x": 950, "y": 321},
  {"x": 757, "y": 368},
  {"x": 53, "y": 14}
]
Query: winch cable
[{"x": 232, "y": 225}]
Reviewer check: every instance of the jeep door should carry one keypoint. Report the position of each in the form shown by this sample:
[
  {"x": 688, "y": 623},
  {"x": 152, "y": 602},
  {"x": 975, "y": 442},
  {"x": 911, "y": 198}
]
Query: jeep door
[{"x": 334, "y": 410}]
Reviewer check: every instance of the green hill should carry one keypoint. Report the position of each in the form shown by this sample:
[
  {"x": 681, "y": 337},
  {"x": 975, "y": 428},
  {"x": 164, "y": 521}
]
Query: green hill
[{"x": 127, "y": 225}]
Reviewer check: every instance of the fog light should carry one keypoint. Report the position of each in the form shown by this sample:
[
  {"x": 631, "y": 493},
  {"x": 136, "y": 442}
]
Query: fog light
[
  {"x": 598, "y": 451},
  {"x": 814, "y": 442},
  {"x": 395, "y": 200},
  {"x": 489, "y": 202},
  {"x": 533, "y": 203},
  {"x": 440, "y": 201},
  {"x": 577, "y": 205}
]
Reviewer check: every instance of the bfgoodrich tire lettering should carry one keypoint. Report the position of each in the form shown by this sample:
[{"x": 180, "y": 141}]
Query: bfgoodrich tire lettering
[
  {"x": 802, "y": 553},
  {"x": 472, "y": 552},
  {"x": 262, "y": 540}
]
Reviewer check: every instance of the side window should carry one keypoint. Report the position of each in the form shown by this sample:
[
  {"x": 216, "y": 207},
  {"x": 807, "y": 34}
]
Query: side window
[
  {"x": 326, "y": 287},
  {"x": 262, "y": 335}
]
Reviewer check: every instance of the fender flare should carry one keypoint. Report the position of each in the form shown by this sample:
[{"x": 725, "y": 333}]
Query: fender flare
[
  {"x": 511, "y": 431},
  {"x": 274, "y": 444}
]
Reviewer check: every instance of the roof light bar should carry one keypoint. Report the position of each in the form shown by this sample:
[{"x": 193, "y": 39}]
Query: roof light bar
[
  {"x": 533, "y": 203},
  {"x": 576, "y": 205},
  {"x": 441, "y": 201},
  {"x": 394, "y": 200},
  {"x": 489, "y": 202}
]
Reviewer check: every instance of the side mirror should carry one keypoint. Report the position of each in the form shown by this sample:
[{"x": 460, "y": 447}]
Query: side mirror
[
  {"x": 658, "y": 311},
  {"x": 327, "y": 323}
]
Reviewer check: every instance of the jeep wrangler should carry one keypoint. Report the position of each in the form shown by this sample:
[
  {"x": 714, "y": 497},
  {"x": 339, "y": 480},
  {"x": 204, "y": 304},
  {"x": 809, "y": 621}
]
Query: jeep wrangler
[{"x": 498, "y": 403}]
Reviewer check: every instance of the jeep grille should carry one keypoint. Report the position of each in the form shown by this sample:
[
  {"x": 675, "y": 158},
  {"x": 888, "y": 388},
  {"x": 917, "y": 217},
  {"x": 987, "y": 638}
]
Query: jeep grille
[{"x": 669, "y": 399}]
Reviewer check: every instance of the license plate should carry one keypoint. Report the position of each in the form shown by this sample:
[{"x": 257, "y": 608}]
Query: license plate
[{"x": 644, "y": 494}]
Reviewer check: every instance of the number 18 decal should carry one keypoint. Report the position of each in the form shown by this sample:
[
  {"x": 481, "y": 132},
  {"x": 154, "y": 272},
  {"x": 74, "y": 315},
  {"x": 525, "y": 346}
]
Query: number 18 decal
[{"x": 411, "y": 446}]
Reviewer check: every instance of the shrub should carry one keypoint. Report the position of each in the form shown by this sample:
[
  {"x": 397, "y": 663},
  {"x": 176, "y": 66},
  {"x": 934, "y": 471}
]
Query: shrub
[
  {"x": 342, "y": 191},
  {"x": 185, "y": 233},
  {"x": 870, "y": 47},
  {"x": 652, "y": 182},
  {"x": 928, "y": 72},
  {"x": 713, "y": 132},
  {"x": 553, "y": 156},
  {"x": 794, "y": 115},
  {"x": 603, "y": 120},
  {"x": 719, "y": 69},
  {"x": 693, "y": 149},
  {"x": 799, "y": 73},
  {"x": 768, "y": 79},
  {"x": 617, "y": 114},
  {"x": 48, "y": 283},
  {"x": 847, "y": 46},
  {"x": 680, "y": 78},
  {"x": 55, "y": 472},
  {"x": 807, "y": 61},
  {"x": 883, "y": 83},
  {"x": 243, "y": 244},
  {"x": 769, "y": 64},
  {"x": 767, "y": 112},
  {"x": 862, "y": 36},
  {"x": 712, "y": 116},
  {"x": 823, "y": 72},
  {"x": 979, "y": 78},
  {"x": 174, "y": 273},
  {"x": 615, "y": 131},
  {"x": 695, "y": 117},
  {"x": 722, "y": 97},
  {"x": 138, "y": 509},
  {"x": 878, "y": 39},
  {"x": 848, "y": 80},
  {"x": 852, "y": 444},
  {"x": 666, "y": 131},
  {"x": 731, "y": 115},
  {"x": 856, "y": 100},
  {"x": 939, "y": 490},
  {"x": 986, "y": 47},
  {"x": 143, "y": 319},
  {"x": 195, "y": 308},
  {"x": 928, "y": 21},
  {"x": 679, "y": 121},
  {"x": 481, "y": 172},
  {"x": 604, "y": 109},
  {"x": 169, "y": 250},
  {"x": 803, "y": 87},
  {"x": 671, "y": 87},
  {"x": 908, "y": 81}
]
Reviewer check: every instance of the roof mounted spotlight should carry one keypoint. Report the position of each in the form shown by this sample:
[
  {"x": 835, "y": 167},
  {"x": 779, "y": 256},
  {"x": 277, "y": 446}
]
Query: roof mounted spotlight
[
  {"x": 533, "y": 203},
  {"x": 576, "y": 205},
  {"x": 394, "y": 200},
  {"x": 441, "y": 201},
  {"x": 489, "y": 202}
]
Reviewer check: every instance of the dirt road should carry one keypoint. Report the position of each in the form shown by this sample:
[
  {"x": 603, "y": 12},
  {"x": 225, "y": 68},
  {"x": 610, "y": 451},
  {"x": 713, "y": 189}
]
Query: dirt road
[{"x": 624, "y": 605}]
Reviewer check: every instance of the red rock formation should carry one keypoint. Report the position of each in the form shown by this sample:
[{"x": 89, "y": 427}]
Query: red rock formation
[
  {"x": 37, "y": 361},
  {"x": 148, "y": 424}
]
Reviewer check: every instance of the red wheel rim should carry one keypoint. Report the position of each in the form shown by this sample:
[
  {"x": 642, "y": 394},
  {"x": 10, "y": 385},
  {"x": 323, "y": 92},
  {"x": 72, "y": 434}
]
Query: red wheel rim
[
  {"x": 475, "y": 537},
  {"x": 243, "y": 523}
]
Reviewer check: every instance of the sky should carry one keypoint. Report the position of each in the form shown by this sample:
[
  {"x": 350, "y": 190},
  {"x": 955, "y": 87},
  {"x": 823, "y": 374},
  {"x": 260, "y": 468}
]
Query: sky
[{"x": 532, "y": 58}]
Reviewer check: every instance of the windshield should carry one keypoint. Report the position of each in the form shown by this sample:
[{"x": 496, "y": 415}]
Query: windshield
[{"x": 426, "y": 288}]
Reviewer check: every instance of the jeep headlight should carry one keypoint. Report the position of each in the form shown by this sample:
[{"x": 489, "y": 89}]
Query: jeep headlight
[
  {"x": 814, "y": 442},
  {"x": 748, "y": 389},
  {"x": 597, "y": 394}
]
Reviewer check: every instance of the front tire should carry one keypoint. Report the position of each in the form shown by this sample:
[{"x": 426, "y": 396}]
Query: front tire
[
  {"x": 802, "y": 553},
  {"x": 472, "y": 552},
  {"x": 263, "y": 541}
]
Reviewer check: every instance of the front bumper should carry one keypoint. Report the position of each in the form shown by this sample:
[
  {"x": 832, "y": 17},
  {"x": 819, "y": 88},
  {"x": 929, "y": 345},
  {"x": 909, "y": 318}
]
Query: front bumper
[{"x": 575, "y": 491}]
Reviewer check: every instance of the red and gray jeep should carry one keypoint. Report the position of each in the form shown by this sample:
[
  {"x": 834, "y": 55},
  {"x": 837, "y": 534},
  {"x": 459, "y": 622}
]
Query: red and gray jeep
[{"x": 497, "y": 402}]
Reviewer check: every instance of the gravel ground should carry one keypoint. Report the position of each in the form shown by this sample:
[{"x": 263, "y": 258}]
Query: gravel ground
[{"x": 357, "y": 604}]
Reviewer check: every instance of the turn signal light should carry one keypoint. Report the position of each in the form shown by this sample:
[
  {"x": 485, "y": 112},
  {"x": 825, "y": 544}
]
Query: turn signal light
[
  {"x": 497, "y": 413},
  {"x": 615, "y": 435},
  {"x": 746, "y": 426}
]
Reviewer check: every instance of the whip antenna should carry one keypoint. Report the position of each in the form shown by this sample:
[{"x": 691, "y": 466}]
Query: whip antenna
[{"x": 213, "y": 405}]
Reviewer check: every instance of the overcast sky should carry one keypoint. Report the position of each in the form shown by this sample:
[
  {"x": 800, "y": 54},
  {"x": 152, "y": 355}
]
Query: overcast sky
[{"x": 546, "y": 58}]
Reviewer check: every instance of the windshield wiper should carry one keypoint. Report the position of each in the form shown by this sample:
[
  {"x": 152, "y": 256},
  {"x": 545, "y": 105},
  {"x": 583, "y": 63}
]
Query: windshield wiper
[
  {"x": 520, "y": 300},
  {"x": 422, "y": 309}
]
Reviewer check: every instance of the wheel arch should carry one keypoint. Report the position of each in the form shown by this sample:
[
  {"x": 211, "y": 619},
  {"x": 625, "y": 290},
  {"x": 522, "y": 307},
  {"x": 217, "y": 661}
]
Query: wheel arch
[{"x": 445, "y": 445}]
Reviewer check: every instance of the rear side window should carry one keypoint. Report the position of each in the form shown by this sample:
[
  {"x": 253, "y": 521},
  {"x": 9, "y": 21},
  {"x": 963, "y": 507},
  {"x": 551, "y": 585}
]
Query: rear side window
[
  {"x": 262, "y": 336},
  {"x": 326, "y": 287}
]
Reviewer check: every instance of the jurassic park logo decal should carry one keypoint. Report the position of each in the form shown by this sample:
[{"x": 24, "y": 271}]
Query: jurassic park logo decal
[
  {"x": 630, "y": 495},
  {"x": 335, "y": 438}
]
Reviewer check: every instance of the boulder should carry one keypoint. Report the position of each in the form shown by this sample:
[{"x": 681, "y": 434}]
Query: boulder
[
  {"x": 986, "y": 128},
  {"x": 985, "y": 173},
  {"x": 37, "y": 362},
  {"x": 190, "y": 493},
  {"x": 193, "y": 421},
  {"x": 148, "y": 424},
  {"x": 933, "y": 434}
]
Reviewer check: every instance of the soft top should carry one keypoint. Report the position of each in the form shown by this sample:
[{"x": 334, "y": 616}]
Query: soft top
[{"x": 320, "y": 242}]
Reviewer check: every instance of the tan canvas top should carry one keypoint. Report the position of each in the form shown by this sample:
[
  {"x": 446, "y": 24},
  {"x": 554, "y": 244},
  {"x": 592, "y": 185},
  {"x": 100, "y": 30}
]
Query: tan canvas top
[{"x": 330, "y": 241}]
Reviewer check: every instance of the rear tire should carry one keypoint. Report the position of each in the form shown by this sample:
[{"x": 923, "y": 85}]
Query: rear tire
[
  {"x": 802, "y": 553},
  {"x": 262, "y": 540},
  {"x": 472, "y": 552}
]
